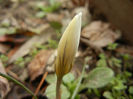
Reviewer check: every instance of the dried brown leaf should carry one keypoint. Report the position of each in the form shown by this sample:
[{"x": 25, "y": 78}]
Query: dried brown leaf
[
  {"x": 12, "y": 51},
  {"x": 50, "y": 63},
  {"x": 11, "y": 38},
  {"x": 86, "y": 16},
  {"x": 4, "y": 48},
  {"x": 67, "y": 4},
  {"x": 37, "y": 65},
  {"x": 125, "y": 50},
  {"x": 54, "y": 17},
  {"x": 99, "y": 34},
  {"x": 27, "y": 46}
]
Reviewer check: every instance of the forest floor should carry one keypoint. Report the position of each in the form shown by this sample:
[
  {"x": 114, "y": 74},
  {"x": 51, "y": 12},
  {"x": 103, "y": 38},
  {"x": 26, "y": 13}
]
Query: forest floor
[{"x": 29, "y": 34}]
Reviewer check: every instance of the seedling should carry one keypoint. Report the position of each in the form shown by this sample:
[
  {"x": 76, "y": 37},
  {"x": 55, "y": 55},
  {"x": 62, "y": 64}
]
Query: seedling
[{"x": 67, "y": 49}]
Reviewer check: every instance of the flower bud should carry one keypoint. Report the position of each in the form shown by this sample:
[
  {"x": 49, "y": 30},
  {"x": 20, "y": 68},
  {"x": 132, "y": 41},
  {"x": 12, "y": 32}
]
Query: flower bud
[{"x": 68, "y": 46}]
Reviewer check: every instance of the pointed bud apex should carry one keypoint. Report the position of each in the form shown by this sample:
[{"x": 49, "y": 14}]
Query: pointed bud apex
[{"x": 68, "y": 46}]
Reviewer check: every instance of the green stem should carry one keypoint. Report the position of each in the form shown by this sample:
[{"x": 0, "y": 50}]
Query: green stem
[
  {"x": 79, "y": 83},
  {"x": 18, "y": 83},
  {"x": 58, "y": 92}
]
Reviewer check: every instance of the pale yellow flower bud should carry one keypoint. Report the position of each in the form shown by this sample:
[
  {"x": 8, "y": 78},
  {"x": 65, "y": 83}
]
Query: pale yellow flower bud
[{"x": 68, "y": 46}]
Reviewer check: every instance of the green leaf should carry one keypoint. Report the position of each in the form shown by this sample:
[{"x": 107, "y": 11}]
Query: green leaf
[
  {"x": 52, "y": 43},
  {"x": 98, "y": 77},
  {"x": 119, "y": 83},
  {"x": 102, "y": 56},
  {"x": 120, "y": 86},
  {"x": 68, "y": 78},
  {"x": 11, "y": 30},
  {"x": 96, "y": 91},
  {"x": 51, "y": 92},
  {"x": 47, "y": 9},
  {"x": 54, "y": 4},
  {"x": 108, "y": 95},
  {"x": 3, "y": 31},
  {"x": 116, "y": 62},
  {"x": 56, "y": 25},
  {"x": 131, "y": 90},
  {"x": 112, "y": 46},
  {"x": 4, "y": 58},
  {"x": 102, "y": 62},
  {"x": 40, "y": 14},
  {"x": 20, "y": 62},
  {"x": 131, "y": 97},
  {"x": 5, "y": 23},
  {"x": 126, "y": 56},
  {"x": 51, "y": 78}
]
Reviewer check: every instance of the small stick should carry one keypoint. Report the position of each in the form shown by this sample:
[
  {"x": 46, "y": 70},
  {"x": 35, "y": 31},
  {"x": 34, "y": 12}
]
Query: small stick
[
  {"x": 40, "y": 84},
  {"x": 44, "y": 88}
]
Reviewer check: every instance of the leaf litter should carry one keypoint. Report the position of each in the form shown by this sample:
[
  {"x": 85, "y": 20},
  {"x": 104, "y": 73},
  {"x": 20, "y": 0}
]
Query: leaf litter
[
  {"x": 38, "y": 64},
  {"x": 99, "y": 34},
  {"x": 32, "y": 24}
]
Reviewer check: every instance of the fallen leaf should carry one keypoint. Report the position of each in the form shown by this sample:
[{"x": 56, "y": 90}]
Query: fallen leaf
[
  {"x": 11, "y": 38},
  {"x": 4, "y": 48},
  {"x": 4, "y": 85},
  {"x": 80, "y": 2},
  {"x": 37, "y": 65},
  {"x": 54, "y": 17},
  {"x": 67, "y": 4},
  {"x": 15, "y": 93},
  {"x": 27, "y": 46},
  {"x": 99, "y": 34},
  {"x": 86, "y": 16},
  {"x": 125, "y": 50},
  {"x": 12, "y": 51},
  {"x": 50, "y": 63}
]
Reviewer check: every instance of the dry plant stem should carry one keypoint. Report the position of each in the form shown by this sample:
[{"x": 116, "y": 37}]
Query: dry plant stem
[
  {"x": 40, "y": 84},
  {"x": 58, "y": 85}
]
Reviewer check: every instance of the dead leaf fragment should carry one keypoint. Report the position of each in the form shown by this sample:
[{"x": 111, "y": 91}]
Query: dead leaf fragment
[
  {"x": 4, "y": 85},
  {"x": 4, "y": 48},
  {"x": 99, "y": 34},
  {"x": 12, "y": 51},
  {"x": 12, "y": 38},
  {"x": 37, "y": 65},
  {"x": 54, "y": 17},
  {"x": 67, "y": 4},
  {"x": 50, "y": 63},
  {"x": 125, "y": 50},
  {"x": 27, "y": 46},
  {"x": 86, "y": 16}
]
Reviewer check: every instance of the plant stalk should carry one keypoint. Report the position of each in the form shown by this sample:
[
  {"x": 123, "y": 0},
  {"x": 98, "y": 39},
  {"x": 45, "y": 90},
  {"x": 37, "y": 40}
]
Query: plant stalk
[
  {"x": 18, "y": 83},
  {"x": 58, "y": 90},
  {"x": 80, "y": 79}
]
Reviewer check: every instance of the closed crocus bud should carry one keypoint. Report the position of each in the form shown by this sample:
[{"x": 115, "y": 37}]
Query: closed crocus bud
[{"x": 68, "y": 47}]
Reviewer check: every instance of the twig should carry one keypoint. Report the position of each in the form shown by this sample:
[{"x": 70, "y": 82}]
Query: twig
[
  {"x": 44, "y": 88},
  {"x": 18, "y": 83},
  {"x": 40, "y": 84}
]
